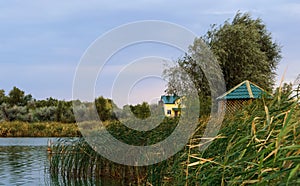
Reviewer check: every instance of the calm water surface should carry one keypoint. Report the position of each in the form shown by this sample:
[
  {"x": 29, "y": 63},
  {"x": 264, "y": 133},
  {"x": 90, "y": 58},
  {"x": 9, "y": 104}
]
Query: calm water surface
[{"x": 24, "y": 161}]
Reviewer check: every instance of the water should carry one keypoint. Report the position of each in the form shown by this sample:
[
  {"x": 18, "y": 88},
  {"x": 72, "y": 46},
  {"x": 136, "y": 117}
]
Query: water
[{"x": 24, "y": 161}]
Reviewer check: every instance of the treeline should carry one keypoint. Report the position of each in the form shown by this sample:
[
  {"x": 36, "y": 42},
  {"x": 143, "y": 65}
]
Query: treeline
[
  {"x": 18, "y": 106},
  {"x": 107, "y": 110}
]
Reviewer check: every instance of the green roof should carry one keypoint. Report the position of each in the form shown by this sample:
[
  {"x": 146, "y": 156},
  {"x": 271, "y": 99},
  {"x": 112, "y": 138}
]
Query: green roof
[
  {"x": 169, "y": 99},
  {"x": 244, "y": 90}
]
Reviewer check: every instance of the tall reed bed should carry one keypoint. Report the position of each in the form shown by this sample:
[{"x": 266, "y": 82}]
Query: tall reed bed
[
  {"x": 258, "y": 145},
  {"x": 74, "y": 159}
]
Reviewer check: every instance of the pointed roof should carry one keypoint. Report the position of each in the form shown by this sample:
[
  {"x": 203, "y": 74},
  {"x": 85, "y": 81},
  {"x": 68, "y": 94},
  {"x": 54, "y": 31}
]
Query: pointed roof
[
  {"x": 244, "y": 90},
  {"x": 169, "y": 99}
]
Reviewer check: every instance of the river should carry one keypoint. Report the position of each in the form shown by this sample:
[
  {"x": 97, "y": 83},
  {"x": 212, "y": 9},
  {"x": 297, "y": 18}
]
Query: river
[{"x": 24, "y": 161}]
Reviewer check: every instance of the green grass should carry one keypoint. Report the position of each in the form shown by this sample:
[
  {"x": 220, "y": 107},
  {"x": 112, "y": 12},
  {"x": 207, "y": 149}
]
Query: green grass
[{"x": 40, "y": 129}]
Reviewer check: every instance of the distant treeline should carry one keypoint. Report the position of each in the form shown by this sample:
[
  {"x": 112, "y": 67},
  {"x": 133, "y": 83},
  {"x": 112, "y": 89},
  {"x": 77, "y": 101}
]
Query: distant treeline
[{"x": 18, "y": 106}]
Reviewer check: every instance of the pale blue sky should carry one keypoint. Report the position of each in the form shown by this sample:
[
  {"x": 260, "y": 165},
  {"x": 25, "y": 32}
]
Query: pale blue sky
[{"x": 41, "y": 42}]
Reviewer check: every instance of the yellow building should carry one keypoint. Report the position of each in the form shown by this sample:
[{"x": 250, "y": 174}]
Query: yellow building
[{"x": 172, "y": 105}]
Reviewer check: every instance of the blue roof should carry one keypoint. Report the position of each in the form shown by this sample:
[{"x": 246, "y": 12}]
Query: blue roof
[
  {"x": 244, "y": 90},
  {"x": 169, "y": 99}
]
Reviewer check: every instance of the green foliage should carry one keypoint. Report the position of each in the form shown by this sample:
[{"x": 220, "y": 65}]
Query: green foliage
[
  {"x": 64, "y": 112},
  {"x": 44, "y": 114},
  {"x": 141, "y": 111},
  {"x": 2, "y": 96},
  {"x": 188, "y": 77},
  {"x": 17, "y": 106},
  {"x": 46, "y": 103},
  {"x": 20, "y": 107},
  {"x": 17, "y": 97},
  {"x": 104, "y": 108},
  {"x": 142, "y": 138},
  {"x": 187, "y": 71},
  {"x": 245, "y": 50}
]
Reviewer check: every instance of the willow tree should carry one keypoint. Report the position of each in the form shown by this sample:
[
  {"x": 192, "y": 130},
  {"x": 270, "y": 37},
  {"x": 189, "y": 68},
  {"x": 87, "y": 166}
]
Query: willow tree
[{"x": 245, "y": 50}]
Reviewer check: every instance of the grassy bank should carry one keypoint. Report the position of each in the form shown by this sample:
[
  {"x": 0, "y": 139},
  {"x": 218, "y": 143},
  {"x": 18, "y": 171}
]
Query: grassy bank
[
  {"x": 40, "y": 129},
  {"x": 259, "y": 146}
]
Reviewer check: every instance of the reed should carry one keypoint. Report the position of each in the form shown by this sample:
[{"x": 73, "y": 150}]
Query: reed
[
  {"x": 75, "y": 159},
  {"x": 258, "y": 145}
]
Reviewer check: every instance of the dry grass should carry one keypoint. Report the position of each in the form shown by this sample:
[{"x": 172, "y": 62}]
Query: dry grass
[{"x": 40, "y": 129}]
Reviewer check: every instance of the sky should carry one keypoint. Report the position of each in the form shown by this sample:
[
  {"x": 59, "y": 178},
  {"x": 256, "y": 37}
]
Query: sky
[{"x": 43, "y": 42}]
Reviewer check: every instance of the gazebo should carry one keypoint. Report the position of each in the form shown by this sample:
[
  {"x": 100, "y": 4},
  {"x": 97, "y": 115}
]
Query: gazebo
[{"x": 240, "y": 95}]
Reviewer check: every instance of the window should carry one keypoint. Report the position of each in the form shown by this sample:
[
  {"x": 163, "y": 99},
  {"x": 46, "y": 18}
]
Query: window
[{"x": 169, "y": 112}]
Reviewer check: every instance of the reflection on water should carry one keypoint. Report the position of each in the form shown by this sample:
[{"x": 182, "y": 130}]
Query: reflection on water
[
  {"x": 23, "y": 161},
  {"x": 85, "y": 182}
]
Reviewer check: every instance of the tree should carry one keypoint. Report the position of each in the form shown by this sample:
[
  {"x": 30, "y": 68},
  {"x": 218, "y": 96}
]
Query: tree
[
  {"x": 28, "y": 98},
  {"x": 105, "y": 108},
  {"x": 245, "y": 50},
  {"x": 44, "y": 113},
  {"x": 141, "y": 111},
  {"x": 16, "y": 97},
  {"x": 64, "y": 112},
  {"x": 2, "y": 96},
  {"x": 186, "y": 75},
  {"x": 189, "y": 79}
]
